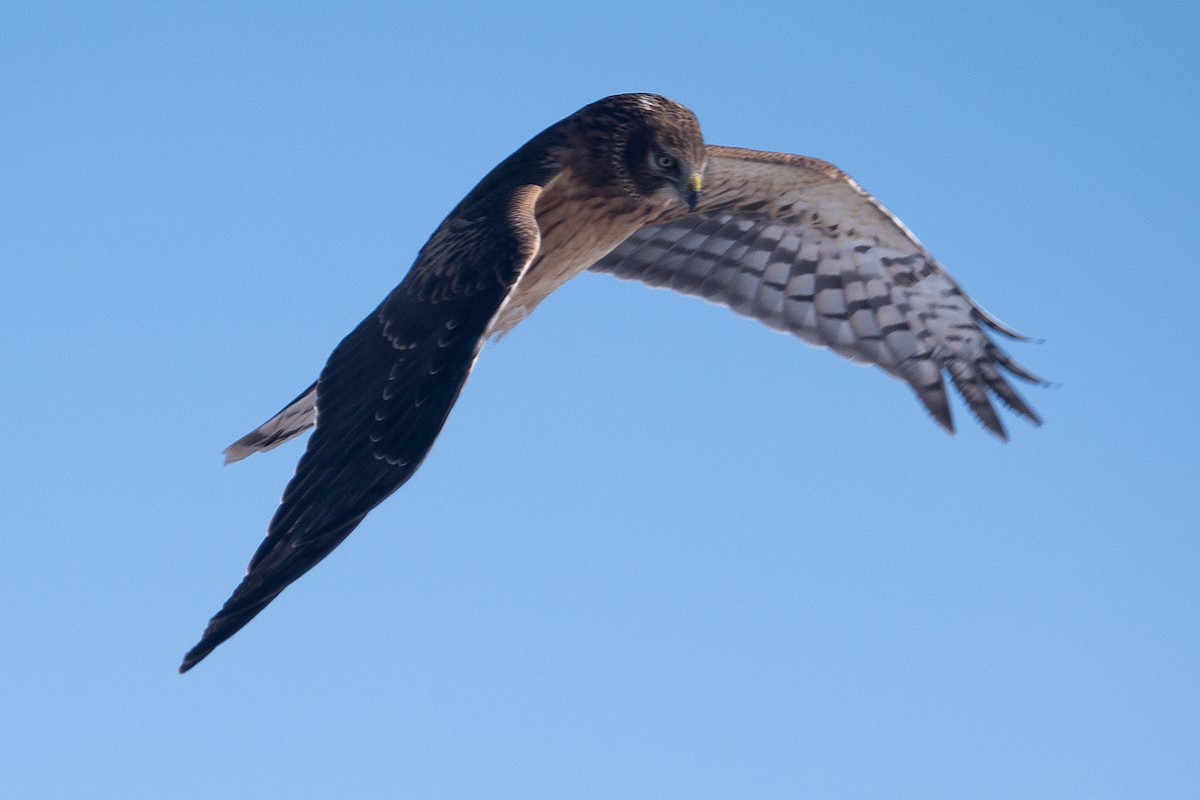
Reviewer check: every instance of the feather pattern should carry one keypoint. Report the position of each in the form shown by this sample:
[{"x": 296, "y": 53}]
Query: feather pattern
[{"x": 796, "y": 244}]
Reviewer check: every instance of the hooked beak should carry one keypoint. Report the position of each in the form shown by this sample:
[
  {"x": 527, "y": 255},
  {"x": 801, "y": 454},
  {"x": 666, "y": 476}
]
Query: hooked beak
[{"x": 692, "y": 195}]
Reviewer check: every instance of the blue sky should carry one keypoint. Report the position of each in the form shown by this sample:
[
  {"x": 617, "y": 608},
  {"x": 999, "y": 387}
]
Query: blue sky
[{"x": 659, "y": 551}]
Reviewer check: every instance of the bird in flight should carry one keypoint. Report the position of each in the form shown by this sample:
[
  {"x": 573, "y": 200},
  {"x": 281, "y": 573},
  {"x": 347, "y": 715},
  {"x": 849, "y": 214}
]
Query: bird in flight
[{"x": 625, "y": 186}]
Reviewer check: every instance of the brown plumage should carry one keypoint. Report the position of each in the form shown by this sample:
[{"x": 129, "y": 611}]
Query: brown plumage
[{"x": 615, "y": 187}]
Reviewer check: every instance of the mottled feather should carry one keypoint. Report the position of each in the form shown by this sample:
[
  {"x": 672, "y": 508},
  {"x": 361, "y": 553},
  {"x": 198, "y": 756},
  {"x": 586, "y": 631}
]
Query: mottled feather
[{"x": 795, "y": 243}]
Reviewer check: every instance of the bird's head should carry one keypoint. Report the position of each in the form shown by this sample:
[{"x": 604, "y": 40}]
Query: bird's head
[{"x": 649, "y": 144}]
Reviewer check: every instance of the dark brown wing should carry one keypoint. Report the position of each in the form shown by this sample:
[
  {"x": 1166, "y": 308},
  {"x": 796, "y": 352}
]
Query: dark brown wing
[
  {"x": 388, "y": 387},
  {"x": 795, "y": 243}
]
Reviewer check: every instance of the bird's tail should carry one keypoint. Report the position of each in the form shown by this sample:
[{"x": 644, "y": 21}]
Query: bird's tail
[{"x": 295, "y": 418}]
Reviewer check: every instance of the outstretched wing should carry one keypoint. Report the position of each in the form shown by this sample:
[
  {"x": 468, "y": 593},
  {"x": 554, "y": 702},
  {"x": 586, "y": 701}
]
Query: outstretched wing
[
  {"x": 797, "y": 244},
  {"x": 386, "y": 392}
]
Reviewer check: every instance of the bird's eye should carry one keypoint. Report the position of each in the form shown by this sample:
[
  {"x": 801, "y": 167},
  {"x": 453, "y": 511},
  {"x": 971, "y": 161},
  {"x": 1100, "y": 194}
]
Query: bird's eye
[{"x": 665, "y": 162}]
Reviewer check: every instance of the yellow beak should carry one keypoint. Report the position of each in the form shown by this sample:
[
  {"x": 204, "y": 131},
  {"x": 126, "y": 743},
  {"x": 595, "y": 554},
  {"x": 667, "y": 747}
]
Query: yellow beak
[{"x": 692, "y": 195}]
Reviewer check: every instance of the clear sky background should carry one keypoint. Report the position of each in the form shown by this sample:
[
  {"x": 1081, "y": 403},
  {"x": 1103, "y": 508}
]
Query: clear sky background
[{"x": 659, "y": 551}]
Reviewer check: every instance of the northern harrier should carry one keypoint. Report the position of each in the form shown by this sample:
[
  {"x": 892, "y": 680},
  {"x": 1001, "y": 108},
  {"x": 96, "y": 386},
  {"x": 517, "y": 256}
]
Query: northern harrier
[{"x": 626, "y": 186}]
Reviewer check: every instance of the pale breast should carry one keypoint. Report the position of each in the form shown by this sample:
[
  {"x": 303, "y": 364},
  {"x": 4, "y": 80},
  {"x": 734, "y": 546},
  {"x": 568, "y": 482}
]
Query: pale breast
[{"x": 578, "y": 228}]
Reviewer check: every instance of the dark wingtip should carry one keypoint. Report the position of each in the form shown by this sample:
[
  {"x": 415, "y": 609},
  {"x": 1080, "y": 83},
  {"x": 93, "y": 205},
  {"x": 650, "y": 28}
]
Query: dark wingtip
[
  {"x": 242, "y": 606},
  {"x": 995, "y": 324},
  {"x": 192, "y": 658},
  {"x": 206, "y": 645},
  {"x": 945, "y": 423}
]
